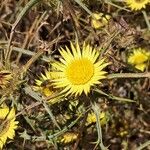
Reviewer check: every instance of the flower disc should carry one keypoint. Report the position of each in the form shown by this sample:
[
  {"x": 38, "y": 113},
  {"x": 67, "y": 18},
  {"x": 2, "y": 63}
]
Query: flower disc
[{"x": 80, "y": 71}]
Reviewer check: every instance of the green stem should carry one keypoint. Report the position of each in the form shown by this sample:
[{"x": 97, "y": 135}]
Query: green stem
[
  {"x": 65, "y": 128},
  {"x": 83, "y": 6},
  {"x": 97, "y": 112},
  {"x": 31, "y": 61},
  {"x": 110, "y": 96},
  {"x": 129, "y": 75},
  {"x": 146, "y": 19},
  {"x": 34, "y": 95},
  {"x": 117, "y": 6},
  {"x": 144, "y": 145}
]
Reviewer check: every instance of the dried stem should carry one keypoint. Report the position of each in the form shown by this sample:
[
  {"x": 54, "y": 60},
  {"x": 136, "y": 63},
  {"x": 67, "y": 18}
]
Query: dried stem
[{"x": 20, "y": 16}]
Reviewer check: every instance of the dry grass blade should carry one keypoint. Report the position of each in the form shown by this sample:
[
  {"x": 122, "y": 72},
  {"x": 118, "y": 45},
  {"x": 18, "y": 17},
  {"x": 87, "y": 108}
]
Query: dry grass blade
[{"x": 20, "y": 16}]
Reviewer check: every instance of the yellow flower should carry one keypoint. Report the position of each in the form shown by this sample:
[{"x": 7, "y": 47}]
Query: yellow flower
[
  {"x": 139, "y": 58},
  {"x": 79, "y": 69},
  {"x": 91, "y": 118},
  {"x": 5, "y": 77},
  {"x": 69, "y": 137},
  {"x": 99, "y": 20},
  {"x": 7, "y": 124},
  {"x": 45, "y": 87},
  {"x": 44, "y": 84},
  {"x": 137, "y": 4}
]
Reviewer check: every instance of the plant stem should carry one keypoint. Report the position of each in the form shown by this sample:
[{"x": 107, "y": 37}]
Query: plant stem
[
  {"x": 83, "y": 6},
  {"x": 144, "y": 145},
  {"x": 146, "y": 19},
  {"x": 34, "y": 95},
  {"x": 20, "y": 16},
  {"x": 97, "y": 112},
  {"x": 32, "y": 60},
  {"x": 129, "y": 75}
]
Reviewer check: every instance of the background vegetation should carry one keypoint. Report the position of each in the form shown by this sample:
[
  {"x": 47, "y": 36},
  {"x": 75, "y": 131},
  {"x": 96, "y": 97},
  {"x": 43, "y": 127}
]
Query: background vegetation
[{"x": 31, "y": 32}]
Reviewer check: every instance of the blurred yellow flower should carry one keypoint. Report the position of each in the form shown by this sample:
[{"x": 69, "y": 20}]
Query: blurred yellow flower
[
  {"x": 91, "y": 118},
  {"x": 139, "y": 58},
  {"x": 79, "y": 69},
  {"x": 5, "y": 77},
  {"x": 99, "y": 20},
  {"x": 137, "y": 4},
  {"x": 45, "y": 87},
  {"x": 44, "y": 84},
  {"x": 7, "y": 124},
  {"x": 69, "y": 137}
]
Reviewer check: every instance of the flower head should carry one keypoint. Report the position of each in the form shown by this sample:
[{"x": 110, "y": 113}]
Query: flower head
[
  {"x": 137, "y": 4},
  {"x": 79, "y": 69},
  {"x": 7, "y": 124},
  {"x": 99, "y": 20},
  {"x": 5, "y": 77},
  {"x": 139, "y": 58},
  {"x": 45, "y": 87},
  {"x": 69, "y": 137},
  {"x": 44, "y": 84},
  {"x": 91, "y": 118}
]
